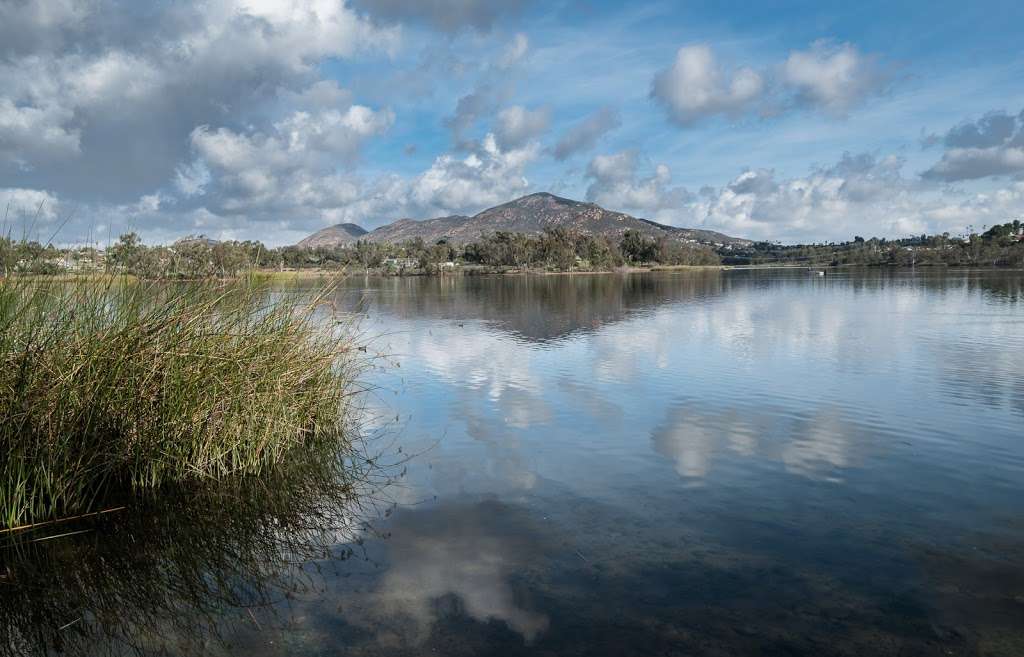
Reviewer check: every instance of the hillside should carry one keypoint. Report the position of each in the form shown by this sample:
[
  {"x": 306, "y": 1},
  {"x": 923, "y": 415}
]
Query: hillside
[
  {"x": 533, "y": 215},
  {"x": 430, "y": 230},
  {"x": 334, "y": 236}
]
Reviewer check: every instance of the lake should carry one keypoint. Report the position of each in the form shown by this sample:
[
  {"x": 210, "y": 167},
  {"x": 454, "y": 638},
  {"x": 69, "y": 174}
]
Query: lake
[{"x": 693, "y": 463}]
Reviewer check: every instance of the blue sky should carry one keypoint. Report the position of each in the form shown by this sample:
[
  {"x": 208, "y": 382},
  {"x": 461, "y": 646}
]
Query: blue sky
[{"x": 268, "y": 119}]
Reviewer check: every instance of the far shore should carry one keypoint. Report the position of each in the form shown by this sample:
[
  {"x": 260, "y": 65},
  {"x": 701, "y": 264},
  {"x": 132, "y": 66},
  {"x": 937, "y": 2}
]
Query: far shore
[
  {"x": 473, "y": 270},
  {"x": 476, "y": 270}
]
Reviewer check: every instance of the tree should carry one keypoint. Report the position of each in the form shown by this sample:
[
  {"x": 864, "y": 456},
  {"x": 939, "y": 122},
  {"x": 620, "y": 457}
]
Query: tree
[
  {"x": 636, "y": 248},
  {"x": 124, "y": 254}
]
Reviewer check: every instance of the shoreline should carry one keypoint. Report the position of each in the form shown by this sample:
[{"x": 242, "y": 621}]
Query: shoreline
[
  {"x": 512, "y": 271},
  {"x": 471, "y": 270}
]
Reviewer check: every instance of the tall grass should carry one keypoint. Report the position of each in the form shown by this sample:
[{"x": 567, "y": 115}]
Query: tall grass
[
  {"x": 113, "y": 383},
  {"x": 172, "y": 573}
]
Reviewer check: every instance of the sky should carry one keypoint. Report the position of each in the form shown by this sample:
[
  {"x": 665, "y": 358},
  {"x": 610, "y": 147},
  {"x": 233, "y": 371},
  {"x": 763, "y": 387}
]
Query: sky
[{"x": 270, "y": 119}]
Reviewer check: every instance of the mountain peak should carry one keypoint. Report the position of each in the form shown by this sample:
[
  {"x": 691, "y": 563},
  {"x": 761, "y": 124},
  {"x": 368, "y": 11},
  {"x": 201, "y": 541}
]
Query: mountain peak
[
  {"x": 531, "y": 215},
  {"x": 335, "y": 235},
  {"x": 541, "y": 197}
]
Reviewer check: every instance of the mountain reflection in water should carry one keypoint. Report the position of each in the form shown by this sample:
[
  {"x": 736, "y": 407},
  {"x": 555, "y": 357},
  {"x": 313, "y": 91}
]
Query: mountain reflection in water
[{"x": 702, "y": 463}]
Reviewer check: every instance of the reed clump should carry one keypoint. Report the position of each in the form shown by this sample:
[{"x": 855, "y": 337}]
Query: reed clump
[{"x": 110, "y": 383}]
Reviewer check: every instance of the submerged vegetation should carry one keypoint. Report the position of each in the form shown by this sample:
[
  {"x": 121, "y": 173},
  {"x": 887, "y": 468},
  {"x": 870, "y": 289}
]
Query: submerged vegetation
[
  {"x": 112, "y": 384},
  {"x": 185, "y": 570}
]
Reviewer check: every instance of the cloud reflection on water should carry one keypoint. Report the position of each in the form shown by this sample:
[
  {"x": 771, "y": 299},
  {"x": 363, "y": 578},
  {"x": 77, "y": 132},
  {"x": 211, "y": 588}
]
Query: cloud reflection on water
[
  {"x": 469, "y": 551},
  {"x": 781, "y": 368},
  {"x": 694, "y": 436}
]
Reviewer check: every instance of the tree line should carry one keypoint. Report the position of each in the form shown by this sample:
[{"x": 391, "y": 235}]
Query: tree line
[
  {"x": 554, "y": 250},
  {"x": 1000, "y": 246}
]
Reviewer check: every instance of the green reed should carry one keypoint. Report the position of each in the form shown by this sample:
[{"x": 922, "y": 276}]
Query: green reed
[
  {"x": 181, "y": 569},
  {"x": 110, "y": 383}
]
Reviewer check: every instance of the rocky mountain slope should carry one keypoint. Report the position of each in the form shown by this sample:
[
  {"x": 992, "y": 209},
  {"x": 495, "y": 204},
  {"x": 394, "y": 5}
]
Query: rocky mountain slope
[
  {"x": 334, "y": 236},
  {"x": 531, "y": 214}
]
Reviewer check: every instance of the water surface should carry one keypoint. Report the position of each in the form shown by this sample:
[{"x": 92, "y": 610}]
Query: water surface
[{"x": 713, "y": 463}]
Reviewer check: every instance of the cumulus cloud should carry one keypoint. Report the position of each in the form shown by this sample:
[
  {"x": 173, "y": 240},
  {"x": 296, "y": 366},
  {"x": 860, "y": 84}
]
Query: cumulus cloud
[
  {"x": 994, "y": 129},
  {"x": 216, "y": 115},
  {"x": 192, "y": 179},
  {"x": 485, "y": 177},
  {"x": 617, "y": 184},
  {"x": 290, "y": 165},
  {"x": 25, "y": 24},
  {"x": 454, "y": 183},
  {"x": 470, "y": 108},
  {"x": 23, "y": 206},
  {"x": 859, "y": 195},
  {"x": 444, "y": 15},
  {"x": 95, "y": 120},
  {"x": 829, "y": 77},
  {"x": 584, "y": 135},
  {"x": 517, "y": 125},
  {"x": 488, "y": 93},
  {"x": 833, "y": 77},
  {"x": 695, "y": 86},
  {"x": 991, "y": 146},
  {"x": 296, "y": 140},
  {"x": 36, "y": 135}
]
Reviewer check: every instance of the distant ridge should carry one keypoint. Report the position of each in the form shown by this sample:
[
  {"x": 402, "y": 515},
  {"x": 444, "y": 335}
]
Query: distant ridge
[
  {"x": 532, "y": 215},
  {"x": 336, "y": 235}
]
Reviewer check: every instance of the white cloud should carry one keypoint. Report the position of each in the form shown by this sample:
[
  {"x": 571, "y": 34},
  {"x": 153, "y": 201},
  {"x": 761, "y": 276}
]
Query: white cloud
[
  {"x": 446, "y": 15},
  {"x": 32, "y": 214},
  {"x": 826, "y": 76},
  {"x": 36, "y": 135},
  {"x": 27, "y": 25},
  {"x": 333, "y": 131},
  {"x": 969, "y": 163},
  {"x": 112, "y": 116},
  {"x": 192, "y": 179},
  {"x": 292, "y": 166},
  {"x": 585, "y": 134},
  {"x": 860, "y": 195},
  {"x": 517, "y": 125},
  {"x": 261, "y": 177},
  {"x": 26, "y": 205},
  {"x": 295, "y": 141},
  {"x": 616, "y": 184},
  {"x": 832, "y": 77},
  {"x": 110, "y": 79},
  {"x": 991, "y": 146},
  {"x": 489, "y": 92},
  {"x": 514, "y": 51},
  {"x": 695, "y": 86},
  {"x": 485, "y": 177}
]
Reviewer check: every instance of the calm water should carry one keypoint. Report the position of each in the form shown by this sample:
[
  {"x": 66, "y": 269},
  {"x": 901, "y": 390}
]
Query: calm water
[{"x": 738, "y": 463}]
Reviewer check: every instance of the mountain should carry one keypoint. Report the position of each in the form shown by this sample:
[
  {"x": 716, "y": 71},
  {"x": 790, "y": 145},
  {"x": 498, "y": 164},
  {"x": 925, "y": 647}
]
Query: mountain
[
  {"x": 532, "y": 215},
  {"x": 333, "y": 236},
  {"x": 430, "y": 230}
]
